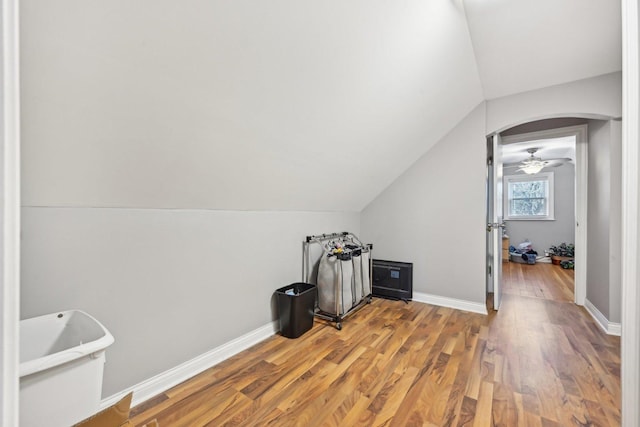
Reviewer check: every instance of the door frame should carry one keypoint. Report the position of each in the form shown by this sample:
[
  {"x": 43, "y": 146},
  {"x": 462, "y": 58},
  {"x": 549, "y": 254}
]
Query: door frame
[
  {"x": 494, "y": 217},
  {"x": 630, "y": 320},
  {"x": 581, "y": 133},
  {"x": 10, "y": 217}
]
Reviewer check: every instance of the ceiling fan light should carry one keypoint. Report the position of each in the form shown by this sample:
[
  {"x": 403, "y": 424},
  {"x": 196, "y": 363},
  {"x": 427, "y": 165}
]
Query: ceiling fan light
[{"x": 532, "y": 168}]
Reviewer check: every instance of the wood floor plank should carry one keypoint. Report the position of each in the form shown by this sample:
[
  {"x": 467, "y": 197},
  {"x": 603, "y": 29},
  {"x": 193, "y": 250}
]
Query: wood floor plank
[
  {"x": 334, "y": 396},
  {"x": 539, "y": 361},
  {"x": 391, "y": 396},
  {"x": 504, "y": 408},
  {"x": 357, "y": 414},
  {"x": 467, "y": 412},
  {"x": 484, "y": 406},
  {"x": 519, "y": 407}
]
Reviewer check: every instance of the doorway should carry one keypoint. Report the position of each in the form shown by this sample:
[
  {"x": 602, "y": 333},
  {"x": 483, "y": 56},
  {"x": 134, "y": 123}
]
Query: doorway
[{"x": 542, "y": 208}]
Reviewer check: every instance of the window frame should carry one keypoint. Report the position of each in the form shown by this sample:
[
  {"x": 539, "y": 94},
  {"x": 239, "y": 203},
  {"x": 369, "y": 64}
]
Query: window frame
[{"x": 548, "y": 176}]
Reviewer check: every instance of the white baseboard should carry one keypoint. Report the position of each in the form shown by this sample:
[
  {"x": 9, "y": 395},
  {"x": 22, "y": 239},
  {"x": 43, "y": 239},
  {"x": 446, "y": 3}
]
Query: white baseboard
[
  {"x": 458, "y": 304},
  {"x": 610, "y": 328},
  {"x": 162, "y": 382}
]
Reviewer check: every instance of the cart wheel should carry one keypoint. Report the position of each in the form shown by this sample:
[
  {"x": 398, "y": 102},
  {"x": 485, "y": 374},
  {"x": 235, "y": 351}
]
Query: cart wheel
[
  {"x": 369, "y": 300},
  {"x": 339, "y": 326}
]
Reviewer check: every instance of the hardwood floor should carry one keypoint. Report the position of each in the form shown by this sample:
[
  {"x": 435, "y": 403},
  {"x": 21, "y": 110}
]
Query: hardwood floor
[
  {"x": 545, "y": 281},
  {"x": 539, "y": 361}
]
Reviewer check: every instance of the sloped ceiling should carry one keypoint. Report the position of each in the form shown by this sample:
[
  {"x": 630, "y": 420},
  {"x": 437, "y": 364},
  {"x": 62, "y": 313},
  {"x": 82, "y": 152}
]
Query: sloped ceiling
[
  {"x": 521, "y": 45},
  {"x": 243, "y": 104},
  {"x": 280, "y": 105}
]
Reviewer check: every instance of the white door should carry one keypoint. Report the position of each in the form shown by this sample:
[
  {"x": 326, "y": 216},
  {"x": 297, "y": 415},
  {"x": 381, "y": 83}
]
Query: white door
[{"x": 495, "y": 221}]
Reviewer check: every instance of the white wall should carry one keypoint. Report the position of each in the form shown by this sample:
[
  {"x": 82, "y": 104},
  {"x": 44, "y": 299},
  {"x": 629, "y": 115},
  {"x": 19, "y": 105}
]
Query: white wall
[
  {"x": 434, "y": 215},
  {"x": 168, "y": 284},
  {"x": 544, "y": 234}
]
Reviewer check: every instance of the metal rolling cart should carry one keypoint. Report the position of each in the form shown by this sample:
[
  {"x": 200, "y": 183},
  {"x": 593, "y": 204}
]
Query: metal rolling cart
[{"x": 342, "y": 274}]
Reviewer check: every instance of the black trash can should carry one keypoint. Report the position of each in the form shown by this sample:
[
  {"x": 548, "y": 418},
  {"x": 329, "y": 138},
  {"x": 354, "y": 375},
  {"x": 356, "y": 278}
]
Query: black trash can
[{"x": 296, "y": 304}]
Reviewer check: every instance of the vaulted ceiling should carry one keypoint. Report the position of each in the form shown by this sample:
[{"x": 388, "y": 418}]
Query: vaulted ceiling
[
  {"x": 281, "y": 105},
  {"x": 522, "y": 45}
]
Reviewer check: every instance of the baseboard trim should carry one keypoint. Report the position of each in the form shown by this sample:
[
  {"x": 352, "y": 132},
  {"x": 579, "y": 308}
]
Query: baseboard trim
[
  {"x": 458, "y": 304},
  {"x": 610, "y": 328},
  {"x": 160, "y": 383},
  {"x": 615, "y": 329}
]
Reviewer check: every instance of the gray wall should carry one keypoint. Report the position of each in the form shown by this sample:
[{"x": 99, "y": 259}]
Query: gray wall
[
  {"x": 604, "y": 218},
  {"x": 598, "y": 207},
  {"x": 540, "y": 125},
  {"x": 235, "y": 105},
  {"x": 615, "y": 225},
  {"x": 420, "y": 217},
  {"x": 544, "y": 234},
  {"x": 434, "y": 214},
  {"x": 237, "y": 128},
  {"x": 170, "y": 285},
  {"x": 589, "y": 98}
]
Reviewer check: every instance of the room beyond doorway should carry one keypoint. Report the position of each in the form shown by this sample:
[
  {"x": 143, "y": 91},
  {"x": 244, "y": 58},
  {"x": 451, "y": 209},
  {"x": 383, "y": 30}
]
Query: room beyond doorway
[
  {"x": 539, "y": 213},
  {"x": 544, "y": 281},
  {"x": 561, "y": 144}
]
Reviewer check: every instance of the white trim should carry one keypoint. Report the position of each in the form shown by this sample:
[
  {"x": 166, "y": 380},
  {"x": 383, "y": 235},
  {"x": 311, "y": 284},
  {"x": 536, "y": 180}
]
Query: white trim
[
  {"x": 614, "y": 329},
  {"x": 581, "y": 133},
  {"x": 630, "y": 343},
  {"x": 458, "y": 304},
  {"x": 607, "y": 327},
  {"x": 497, "y": 217},
  {"x": 162, "y": 382},
  {"x": 10, "y": 216},
  {"x": 581, "y": 208}
]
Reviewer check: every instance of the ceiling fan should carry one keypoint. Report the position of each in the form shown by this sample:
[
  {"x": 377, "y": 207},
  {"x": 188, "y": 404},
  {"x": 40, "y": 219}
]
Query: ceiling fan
[{"x": 532, "y": 165}]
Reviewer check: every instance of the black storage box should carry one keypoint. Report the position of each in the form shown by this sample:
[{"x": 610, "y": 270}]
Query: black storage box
[
  {"x": 393, "y": 279},
  {"x": 296, "y": 306}
]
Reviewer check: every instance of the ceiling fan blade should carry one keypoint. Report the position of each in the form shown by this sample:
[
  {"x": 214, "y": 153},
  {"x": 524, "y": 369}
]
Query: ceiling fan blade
[
  {"x": 557, "y": 162},
  {"x": 552, "y": 163}
]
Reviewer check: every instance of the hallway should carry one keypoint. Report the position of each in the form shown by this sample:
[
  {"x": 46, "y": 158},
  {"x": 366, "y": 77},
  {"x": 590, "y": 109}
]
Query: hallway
[{"x": 556, "y": 349}]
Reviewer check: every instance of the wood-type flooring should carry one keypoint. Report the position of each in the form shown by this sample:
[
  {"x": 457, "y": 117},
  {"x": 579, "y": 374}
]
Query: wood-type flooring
[{"x": 539, "y": 361}]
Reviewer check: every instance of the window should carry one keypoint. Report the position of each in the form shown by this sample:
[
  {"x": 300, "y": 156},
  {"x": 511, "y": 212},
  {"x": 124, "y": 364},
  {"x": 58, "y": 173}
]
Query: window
[{"x": 529, "y": 196}]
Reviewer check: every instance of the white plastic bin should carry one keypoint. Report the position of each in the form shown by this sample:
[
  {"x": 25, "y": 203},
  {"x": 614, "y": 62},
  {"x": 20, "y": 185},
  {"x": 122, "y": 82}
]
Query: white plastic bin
[{"x": 62, "y": 358}]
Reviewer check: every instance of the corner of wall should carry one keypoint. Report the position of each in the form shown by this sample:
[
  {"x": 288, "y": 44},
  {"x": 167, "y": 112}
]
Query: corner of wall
[
  {"x": 433, "y": 209},
  {"x": 610, "y": 328}
]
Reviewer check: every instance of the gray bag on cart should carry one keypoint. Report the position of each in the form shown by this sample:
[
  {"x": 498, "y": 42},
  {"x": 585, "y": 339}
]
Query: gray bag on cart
[
  {"x": 362, "y": 282},
  {"x": 335, "y": 284}
]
